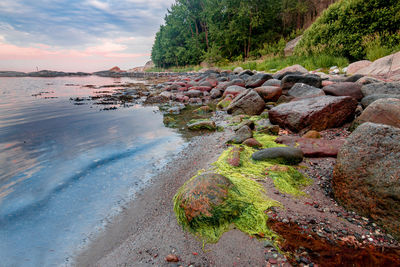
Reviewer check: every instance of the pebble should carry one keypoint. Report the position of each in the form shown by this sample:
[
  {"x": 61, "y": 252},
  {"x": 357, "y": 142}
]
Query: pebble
[{"x": 172, "y": 258}]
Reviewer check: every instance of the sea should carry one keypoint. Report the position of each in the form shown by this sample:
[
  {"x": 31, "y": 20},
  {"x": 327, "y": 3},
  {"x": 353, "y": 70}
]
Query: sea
[{"x": 67, "y": 167}]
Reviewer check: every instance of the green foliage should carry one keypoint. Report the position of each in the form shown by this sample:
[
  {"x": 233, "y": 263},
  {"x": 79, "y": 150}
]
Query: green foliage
[{"x": 341, "y": 29}]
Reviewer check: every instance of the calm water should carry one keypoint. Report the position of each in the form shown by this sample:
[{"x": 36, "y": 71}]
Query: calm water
[{"x": 66, "y": 169}]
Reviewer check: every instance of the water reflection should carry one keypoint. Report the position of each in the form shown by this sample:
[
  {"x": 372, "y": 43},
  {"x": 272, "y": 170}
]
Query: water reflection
[{"x": 65, "y": 168}]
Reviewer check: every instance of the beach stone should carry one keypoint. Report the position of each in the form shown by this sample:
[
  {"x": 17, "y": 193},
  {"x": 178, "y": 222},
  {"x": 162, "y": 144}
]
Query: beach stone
[
  {"x": 201, "y": 88},
  {"x": 202, "y": 194},
  {"x": 265, "y": 126},
  {"x": 344, "y": 89},
  {"x": 248, "y": 102},
  {"x": 317, "y": 113},
  {"x": 301, "y": 90},
  {"x": 283, "y": 155},
  {"x": 234, "y": 90},
  {"x": 312, "y": 134},
  {"x": 216, "y": 93},
  {"x": 356, "y": 66},
  {"x": 354, "y": 78},
  {"x": 312, "y": 147},
  {"x": 385, "y": 66},
  {"x": 247, "y": 123},
  {"x": 383, "y": 111},
  {"x": 290, "y": 80},
  {"x": 295, "y": 69},
  {"x": 366, "y": 175},
  {"x": 381, "y": 88},
  {"x": 257, "y": 80},
  {"x": 246, "y": 72},
  {"x": 238, "y": 70},
  {"x": 241, "y": 135},
  {"x": 269, "y": 93},
  {"x": 224, "y": 103},
  {"x": 193, "y": 93},
  {"x": 197, "y": 125},
  {"x": 366, "y": 101},
  {"x": 233, "y": 158},
  {"x": 272, "y": 82},
  {"x": 367, "y": 80},
  {"x": 172, "y": 258},
  {"x": 251, "y": 142}
]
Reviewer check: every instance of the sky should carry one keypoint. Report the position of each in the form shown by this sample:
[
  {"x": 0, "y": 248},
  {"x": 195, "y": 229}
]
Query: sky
[{"x": 72, "y": 35}]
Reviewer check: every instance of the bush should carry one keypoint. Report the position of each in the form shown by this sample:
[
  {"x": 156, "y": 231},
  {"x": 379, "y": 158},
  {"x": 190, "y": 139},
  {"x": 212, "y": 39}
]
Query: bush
[{"x": 341, "y": 29}]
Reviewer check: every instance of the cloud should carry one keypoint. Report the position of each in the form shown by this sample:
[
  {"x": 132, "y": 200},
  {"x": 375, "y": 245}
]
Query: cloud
[{"x": 103, "y": 28}]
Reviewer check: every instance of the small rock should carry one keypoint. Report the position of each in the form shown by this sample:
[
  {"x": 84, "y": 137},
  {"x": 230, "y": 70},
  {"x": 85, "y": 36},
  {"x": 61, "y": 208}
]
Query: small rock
[
  {"x": 172, "y": 258},
  {"x": 285, "y": 155}
]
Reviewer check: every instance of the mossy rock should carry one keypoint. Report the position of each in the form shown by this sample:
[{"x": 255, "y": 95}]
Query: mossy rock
[
  {"x": 224, "y": 103},
  {"x": 204, "y": 110},
  {"x": 202, "y": 124}
]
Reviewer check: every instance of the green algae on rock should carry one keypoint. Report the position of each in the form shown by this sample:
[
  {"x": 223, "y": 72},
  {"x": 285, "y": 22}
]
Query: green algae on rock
[
  {"x": 241, "y": 200},
  {"x": 201, "y": 124}
]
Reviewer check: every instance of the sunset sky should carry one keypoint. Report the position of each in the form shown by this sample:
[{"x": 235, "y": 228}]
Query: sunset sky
[{"x": 72, "y": 35}]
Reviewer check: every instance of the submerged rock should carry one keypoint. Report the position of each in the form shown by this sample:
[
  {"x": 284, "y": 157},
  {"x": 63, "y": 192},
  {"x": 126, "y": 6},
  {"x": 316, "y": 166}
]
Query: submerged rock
[
  {"x": 196, "y": 125},
  {"x": 366, "y": 175},
  {"x": 283, "y": 155}
]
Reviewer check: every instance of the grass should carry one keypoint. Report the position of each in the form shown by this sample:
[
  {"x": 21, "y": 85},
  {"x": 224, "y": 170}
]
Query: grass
[{"x": 176, "y": 69}]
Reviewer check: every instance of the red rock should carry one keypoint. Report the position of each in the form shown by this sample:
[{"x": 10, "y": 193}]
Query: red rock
[
  {"x": 312, "y": 134},
  {"x": 326, "y": 83},
  {"x": 269, "y": 93},
  {"x": 311, "y": 147},
  {"x": 172, "y": 258},
  {"x": 233, "y": 158},
  {"x": 201, "y": 88},
  {"x": 251, "y": 142},
  {"x": 358, "y": 65},
  {"x": 344, "y": 89}
]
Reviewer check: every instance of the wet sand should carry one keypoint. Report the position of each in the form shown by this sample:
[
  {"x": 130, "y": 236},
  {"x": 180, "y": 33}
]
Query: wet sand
[{"x": 147, "y": 231}]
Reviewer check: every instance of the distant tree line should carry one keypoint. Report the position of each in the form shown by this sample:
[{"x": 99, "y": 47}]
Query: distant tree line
[{"x": 226, "y": 30}]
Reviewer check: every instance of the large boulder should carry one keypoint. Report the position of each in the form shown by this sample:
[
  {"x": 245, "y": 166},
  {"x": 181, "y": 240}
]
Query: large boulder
[
  {"x": 317, "y": 113},
  {"x": 272, "y": 82},
  {"x": 381, "y": 88},
  {"x": 312, "y": 147},
  {"x": 257, "y": 80},
  {"x": 289, "y": 80},
  {"x": 269, "y": 93},
  {"x": 387, "y": 66},
  {"x": 248, "y": 102},
  {"x": 366, "y": 175},
  {"x": 283, "y": 155},
  {"x": 383, "y": 111},
  {"x": 344, "y": 89},
  {"x": 301, "y": 90},
  {"x": 202, "y": 195},
  {"x": 356, "y": 66}
]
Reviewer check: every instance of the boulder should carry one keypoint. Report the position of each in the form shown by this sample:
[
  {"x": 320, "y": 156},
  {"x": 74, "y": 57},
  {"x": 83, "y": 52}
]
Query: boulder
[
  {"x": 386, "y": 66},
  {"x": 356, "y": 66},
  {"x": 367, "y": 80},
  {"x": 272, "y": 82},
  {"x": 238, "y": 70},
  {"x": 312, "y": 147},
  {"x": 241, "y": 135},
  {"x": 234, "y": 90},
  {"x": 196, "y": 125},
  {"x": 248, "y": 123},
  {"x": 215, "y": 93},
  {"x": 295, "y": 69},
  {"x": 366, "y": 101},
  {"x": 193, "y": 93},
  {"x": 344, "y": 89},
  {"x": 251, "y": 142},
  {"x": 257, "y": 80},
  {"x": 290, "y": 46},
  {"x": 246, "y": 72},
  {"x": 301, "y": 90},
  {"x": 354, "y": 78},
  {"x": 265, "y": 126},
  {"x": 248, "y": 102},
  {"x": 269, "y": 93},
  {"x": 282, "y": 155},
  {"x": 202, "y": 194},
  {"x": 381, "y": 88},
  {"x": 366, "y": 176},
  {"x": 317, "y": 113},
  {"x": 383, "y": 111},
  {"x": 201, "y": 88},
  {"x": 289, "y": 80}
]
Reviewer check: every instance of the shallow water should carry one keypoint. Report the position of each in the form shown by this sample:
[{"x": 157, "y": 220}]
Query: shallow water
[{"x": 66, "y": 169}]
